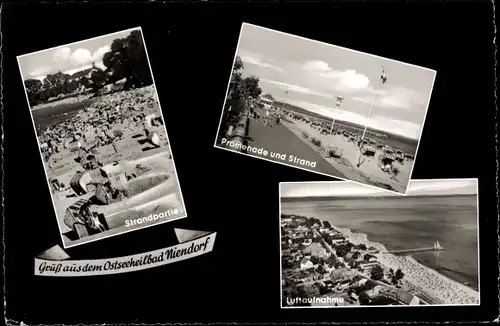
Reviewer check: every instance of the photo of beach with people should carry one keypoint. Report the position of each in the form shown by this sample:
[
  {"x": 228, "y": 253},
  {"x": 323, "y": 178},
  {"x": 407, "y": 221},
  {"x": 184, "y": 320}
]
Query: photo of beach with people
[
  {"x": 365, "y": 247},
  {"x": 102, "y": 137},
  {"x": 325, "y": 108}
]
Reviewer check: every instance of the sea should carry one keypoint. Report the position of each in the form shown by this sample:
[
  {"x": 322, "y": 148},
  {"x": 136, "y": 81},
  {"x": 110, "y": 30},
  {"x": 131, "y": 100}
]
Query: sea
[
  {"x": 408, "y": 223},
  {"x": 57, "y": 113}
]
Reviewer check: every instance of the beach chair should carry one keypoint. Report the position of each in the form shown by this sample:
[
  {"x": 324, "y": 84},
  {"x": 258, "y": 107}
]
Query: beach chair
[
  {"x": 83, "y": 221},
  {"x": 333, "y": 151}
]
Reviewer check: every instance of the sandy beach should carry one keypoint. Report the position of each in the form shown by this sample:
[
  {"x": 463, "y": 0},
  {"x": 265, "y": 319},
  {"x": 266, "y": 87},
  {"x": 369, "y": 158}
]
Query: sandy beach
[
  {"x": 158, "y": 190},
  {"x": 368, "y": 172},
  {"x": 440, "y": 288}
]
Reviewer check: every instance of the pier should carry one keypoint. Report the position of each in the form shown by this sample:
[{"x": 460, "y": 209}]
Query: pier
[{"x": 436, "y": 248}]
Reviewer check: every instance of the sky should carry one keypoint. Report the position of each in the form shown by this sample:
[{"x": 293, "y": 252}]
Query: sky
[
  {"x": 315, "y": 73},
  {"x": 345, "y": 188},
  {"x": 69, "y": 58}
]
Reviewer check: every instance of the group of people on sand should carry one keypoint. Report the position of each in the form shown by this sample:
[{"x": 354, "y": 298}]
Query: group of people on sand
[{"x": 94, "y": 125}]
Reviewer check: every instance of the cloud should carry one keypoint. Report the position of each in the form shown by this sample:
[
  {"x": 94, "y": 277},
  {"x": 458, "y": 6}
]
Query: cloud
[
  {"x": 346, "y": 80},
  {"x": 296, "y": 88},
  {"x": 257, "y": 60},
  {"x": 61, "y": 54},
  {"x": 74, "y": 70},
  {"x": 316, "y": 78},
  {"x": 81, "y": 56},
  {"x": 352, "y": 81},
  {"x": 40, "y": 71},
  {"x": 101, "y": 52},
  {"x": 70, "y": 62},
  {"x": 316, "y": 66}
]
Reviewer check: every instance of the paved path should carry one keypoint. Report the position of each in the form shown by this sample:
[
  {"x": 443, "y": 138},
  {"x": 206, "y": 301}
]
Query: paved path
[{"x": 279, "y": 139}]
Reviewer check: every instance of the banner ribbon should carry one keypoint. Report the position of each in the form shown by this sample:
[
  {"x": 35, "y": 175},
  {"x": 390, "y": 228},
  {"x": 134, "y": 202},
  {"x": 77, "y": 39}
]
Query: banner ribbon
[{"x": 55, "y": 262}]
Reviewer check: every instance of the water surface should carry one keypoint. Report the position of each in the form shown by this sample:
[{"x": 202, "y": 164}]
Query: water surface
[{"x": 408, "y": 223}]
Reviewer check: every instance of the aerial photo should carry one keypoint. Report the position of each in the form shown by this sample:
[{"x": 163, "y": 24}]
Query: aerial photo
[{"x": 344, "y": 244}]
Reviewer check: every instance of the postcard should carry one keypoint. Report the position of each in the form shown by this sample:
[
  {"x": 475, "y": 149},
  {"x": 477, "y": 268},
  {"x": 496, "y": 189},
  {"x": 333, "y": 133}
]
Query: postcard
[
  {"x": 102, "y": 137},
  {"x": 347, "y": 245},
  {"x": 323, "y": 108}
]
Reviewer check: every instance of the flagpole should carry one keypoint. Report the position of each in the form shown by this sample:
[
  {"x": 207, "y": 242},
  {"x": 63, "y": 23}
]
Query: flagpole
[
  {"x": 373, "y": 103},
  {"x": 370, "y": 111},
  {"x": 286, "y": 99},
  {"x": 331, "y": 128}
]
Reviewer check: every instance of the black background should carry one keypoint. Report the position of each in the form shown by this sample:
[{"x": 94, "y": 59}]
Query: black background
[{"x": 191, "y": 49}]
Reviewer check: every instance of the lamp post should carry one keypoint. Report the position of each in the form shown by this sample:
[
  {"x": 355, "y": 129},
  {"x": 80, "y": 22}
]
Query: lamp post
[
  {"x": 285, "y": 106},
  {"x": 337, "y": 105},
  {"x": 232, "y": 88}
]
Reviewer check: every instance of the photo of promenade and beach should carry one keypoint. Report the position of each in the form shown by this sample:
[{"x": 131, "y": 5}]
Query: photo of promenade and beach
[
  {"x": 324, "y": 108},
  {"x": 344, "y": 244}
]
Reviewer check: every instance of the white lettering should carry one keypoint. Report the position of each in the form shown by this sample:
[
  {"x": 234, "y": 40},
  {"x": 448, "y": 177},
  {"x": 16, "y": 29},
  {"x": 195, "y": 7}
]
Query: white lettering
[
  {"x": 294, "y": 159},
  {"x": 153, "y": 217}
]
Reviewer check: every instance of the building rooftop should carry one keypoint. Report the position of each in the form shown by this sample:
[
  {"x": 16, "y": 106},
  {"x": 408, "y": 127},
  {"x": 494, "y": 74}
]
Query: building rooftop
[
  {"x": 398, "y": 294},
  {"x": 342, "y": 274}
]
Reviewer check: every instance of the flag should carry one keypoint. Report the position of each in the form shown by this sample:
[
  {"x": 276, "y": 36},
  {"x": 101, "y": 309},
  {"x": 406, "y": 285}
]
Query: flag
[
  {"x": 339, "y": 100},
  {"x": 383, "y": 77}
]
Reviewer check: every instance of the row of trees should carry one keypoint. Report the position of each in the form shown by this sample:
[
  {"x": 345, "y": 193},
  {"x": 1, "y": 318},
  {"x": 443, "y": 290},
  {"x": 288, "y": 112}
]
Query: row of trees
[
  {"x": 126, "y": 59},
  {"x": 396, "y": 276},
  {"x": 240, "y": 87},
  {"x": 377, "y": 273},
  {"x": 309, "y": 222},
  {"x": 52, "y": 85},
  {"x": 341, "y": 250},
  {"x": 241, "y": 91}
]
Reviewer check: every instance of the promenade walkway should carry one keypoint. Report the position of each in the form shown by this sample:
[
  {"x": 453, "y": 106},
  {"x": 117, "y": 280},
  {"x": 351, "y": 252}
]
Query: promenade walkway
[{"x": 279, "y": 139}]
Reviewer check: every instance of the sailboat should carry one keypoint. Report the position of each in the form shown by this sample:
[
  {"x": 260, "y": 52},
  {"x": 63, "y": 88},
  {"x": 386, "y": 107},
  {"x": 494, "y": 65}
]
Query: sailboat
[{"x": 438, "y": 246}]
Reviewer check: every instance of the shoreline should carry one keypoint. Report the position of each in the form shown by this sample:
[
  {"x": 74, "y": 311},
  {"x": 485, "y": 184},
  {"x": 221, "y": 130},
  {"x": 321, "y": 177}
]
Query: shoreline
[
  {"x": 441, "y": 288},
  {"x": 67, "y": 100},
  {"x": 464, "y": 281}
]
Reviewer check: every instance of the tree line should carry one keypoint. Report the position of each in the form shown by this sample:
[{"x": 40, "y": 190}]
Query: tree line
[
  {"x": 241, "y": 91},
  {"x": 240, "y": 87},
  {"x": 126, "y": 59}
]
